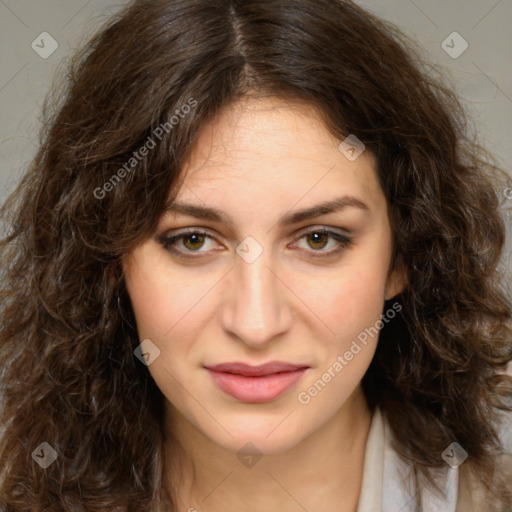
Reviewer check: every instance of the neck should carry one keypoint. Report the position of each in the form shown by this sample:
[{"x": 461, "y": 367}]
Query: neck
[{"x": 322, "y": 473}]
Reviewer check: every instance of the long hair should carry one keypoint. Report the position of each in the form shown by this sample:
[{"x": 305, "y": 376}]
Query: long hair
[{"x": 151, "y": 78}]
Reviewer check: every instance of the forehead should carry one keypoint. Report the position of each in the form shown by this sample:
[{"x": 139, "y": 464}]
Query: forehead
[{"x": 277, "y": 148}]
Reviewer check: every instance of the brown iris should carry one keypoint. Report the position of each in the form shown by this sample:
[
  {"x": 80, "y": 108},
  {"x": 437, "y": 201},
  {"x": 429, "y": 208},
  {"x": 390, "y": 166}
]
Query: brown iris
[
  {"x": 317, "y": 236},
  {"x": 198, "y": 239}
]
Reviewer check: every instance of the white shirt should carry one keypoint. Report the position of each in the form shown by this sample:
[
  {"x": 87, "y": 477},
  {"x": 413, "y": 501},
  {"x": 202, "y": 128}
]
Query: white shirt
[{"x": 387, "y": 481}]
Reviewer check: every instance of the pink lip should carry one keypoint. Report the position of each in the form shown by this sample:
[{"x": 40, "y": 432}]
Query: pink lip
[{"x": 256, "y": 384}]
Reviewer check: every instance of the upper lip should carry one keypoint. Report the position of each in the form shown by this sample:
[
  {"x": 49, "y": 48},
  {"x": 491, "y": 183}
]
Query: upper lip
[{"x": 256, "y": 371}]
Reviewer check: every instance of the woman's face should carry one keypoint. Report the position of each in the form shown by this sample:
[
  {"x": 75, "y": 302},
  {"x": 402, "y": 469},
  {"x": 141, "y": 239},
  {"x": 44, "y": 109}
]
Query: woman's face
[{"x": 265, "y": 283}]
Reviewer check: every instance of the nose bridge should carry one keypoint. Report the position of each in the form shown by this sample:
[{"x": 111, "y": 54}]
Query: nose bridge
[{"x": 254, "y": 308}]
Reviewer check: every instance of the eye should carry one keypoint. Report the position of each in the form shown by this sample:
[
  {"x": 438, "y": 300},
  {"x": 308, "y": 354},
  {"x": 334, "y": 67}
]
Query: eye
[
  {"x": 190, "y": 241},
  {"x": 318, "y": 239},
  {"x": 194, "y": 240}
]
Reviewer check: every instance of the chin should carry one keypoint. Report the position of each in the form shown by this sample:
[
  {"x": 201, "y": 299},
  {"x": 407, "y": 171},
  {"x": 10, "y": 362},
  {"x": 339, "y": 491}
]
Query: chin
[{"x": 270, "y": 436}]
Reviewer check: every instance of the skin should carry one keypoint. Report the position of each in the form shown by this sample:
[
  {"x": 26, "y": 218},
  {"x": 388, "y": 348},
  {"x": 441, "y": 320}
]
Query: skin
[{"x": 259, "y": 160}]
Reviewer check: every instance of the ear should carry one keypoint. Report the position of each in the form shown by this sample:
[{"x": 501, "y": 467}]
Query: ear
[{"x": 396, "y": 282}]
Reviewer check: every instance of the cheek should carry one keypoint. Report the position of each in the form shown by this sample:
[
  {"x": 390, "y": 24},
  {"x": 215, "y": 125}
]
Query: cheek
[
  {"x": 151, "y": 305},
  {"x": 169, "y": 311},
  {"x": 349, "y": 301},
  {"x": 353, "y": 308},
  {"x": 365, "y": 281},
  {"x": 158, "y": 298},
  {"x": 160, "y": 316},
  {"x": 353, "y": 303},
  {"x": 361, "y": 299}
]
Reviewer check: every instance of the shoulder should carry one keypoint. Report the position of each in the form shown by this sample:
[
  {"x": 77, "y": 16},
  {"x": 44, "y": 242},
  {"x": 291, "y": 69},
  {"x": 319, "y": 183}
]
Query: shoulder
[
  {"x": 472, "y": 495},
  {"x": 463, "y": 491}
]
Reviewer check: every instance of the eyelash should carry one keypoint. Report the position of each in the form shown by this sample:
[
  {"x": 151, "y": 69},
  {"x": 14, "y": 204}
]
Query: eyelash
[{"x": 166, "y": 242}]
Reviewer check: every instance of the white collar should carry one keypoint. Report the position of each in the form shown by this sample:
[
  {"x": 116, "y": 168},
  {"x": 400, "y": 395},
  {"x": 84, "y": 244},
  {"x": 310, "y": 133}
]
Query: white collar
[{"x": 387, "y": 484}]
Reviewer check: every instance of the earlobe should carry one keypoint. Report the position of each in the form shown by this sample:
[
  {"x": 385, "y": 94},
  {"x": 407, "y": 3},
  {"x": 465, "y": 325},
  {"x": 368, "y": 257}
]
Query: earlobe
[{"x": 396, "y": 283}]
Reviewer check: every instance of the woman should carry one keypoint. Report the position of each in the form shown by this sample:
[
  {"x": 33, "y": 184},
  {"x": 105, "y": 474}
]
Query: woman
[{"x": 254, "y": 266}]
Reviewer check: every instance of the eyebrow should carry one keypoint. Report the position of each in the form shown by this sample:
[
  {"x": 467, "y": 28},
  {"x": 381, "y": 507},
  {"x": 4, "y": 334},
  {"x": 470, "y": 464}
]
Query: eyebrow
[{"x": 293, "y": 217}]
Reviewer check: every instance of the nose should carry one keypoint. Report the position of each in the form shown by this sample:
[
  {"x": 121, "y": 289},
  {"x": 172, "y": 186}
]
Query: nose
[{"x": 255, "y": 307}]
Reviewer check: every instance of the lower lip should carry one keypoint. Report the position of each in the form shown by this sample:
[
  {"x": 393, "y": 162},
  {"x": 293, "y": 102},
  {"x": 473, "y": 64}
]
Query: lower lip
[{"x": 256, "y": 390}]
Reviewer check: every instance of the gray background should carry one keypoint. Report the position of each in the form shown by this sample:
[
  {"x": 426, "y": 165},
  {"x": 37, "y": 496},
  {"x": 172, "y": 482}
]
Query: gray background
[{"x": 482, "y": 75}]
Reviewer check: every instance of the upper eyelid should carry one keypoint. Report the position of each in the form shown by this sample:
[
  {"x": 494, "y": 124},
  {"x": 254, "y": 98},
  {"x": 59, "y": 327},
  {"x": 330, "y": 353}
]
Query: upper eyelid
[
  {"x": 298, "y": 235},
  {"x": 191, "y": 230}
]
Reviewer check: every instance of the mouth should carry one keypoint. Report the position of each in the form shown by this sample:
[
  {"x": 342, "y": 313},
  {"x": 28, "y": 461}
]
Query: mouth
[{"x": 256, "y": 384}]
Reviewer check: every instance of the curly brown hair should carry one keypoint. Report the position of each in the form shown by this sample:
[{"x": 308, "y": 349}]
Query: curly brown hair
[{"x": 68, "y": 335}]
